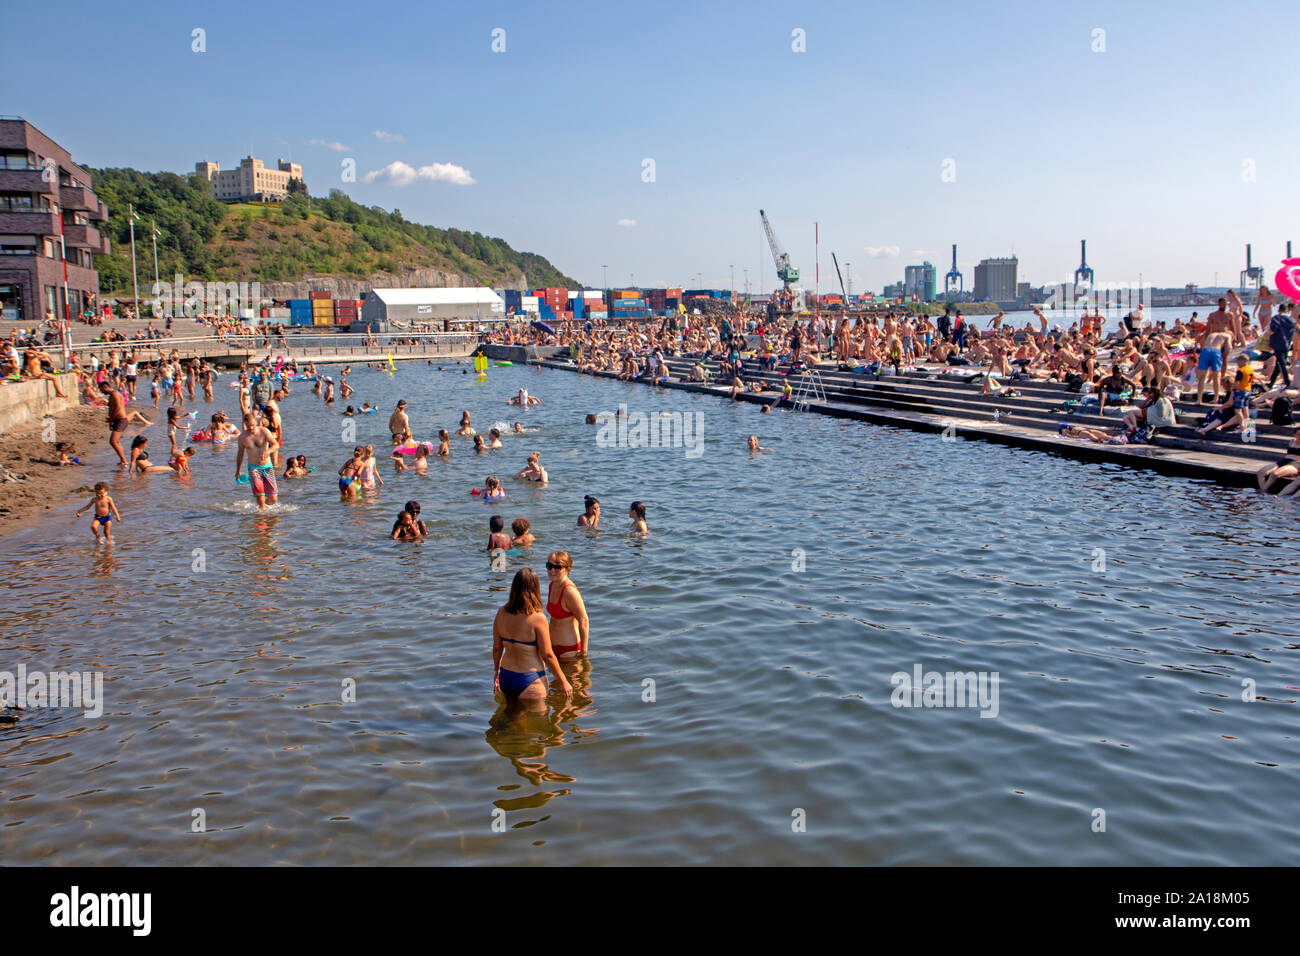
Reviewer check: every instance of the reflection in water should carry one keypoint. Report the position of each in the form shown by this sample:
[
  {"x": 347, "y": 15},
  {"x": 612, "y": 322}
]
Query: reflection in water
[
  {"x": 523, "y": 731},
  {"x": 260, "y": 552},
  {"x": 106, "y": 562}
]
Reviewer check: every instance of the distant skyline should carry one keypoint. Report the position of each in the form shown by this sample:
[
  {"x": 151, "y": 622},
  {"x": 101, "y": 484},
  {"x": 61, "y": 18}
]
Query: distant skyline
[{"x": 1010, "y": 130}]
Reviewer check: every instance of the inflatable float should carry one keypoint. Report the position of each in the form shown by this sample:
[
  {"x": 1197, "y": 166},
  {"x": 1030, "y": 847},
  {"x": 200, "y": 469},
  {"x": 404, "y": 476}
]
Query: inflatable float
[{"x": 413, "y": 448}]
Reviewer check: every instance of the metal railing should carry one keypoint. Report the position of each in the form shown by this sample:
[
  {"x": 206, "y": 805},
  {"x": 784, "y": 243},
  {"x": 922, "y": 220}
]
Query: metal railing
[{"x": 296, "y": 345}]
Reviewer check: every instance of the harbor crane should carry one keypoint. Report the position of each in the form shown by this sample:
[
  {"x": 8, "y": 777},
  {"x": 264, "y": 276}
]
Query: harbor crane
[
  {"x": 787, "y": 273},
  {"x": 952, "y": 282},
  {"x": 1083, "y": 275},
  {"x": 1251, "y": 276},
  {"x": 843, "y": 291}
]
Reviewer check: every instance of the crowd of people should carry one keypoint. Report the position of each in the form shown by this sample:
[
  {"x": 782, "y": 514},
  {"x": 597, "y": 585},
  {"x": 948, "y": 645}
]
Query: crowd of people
[{"x": 529, "y": 637}]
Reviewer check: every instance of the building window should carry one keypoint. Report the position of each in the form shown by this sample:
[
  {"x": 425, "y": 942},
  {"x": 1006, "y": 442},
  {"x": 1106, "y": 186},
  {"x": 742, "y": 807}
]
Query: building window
[
  {"x": 15, "y": 202},
  {"x": 14, "y": 249},
  {"x": 11, "y": 303},
  {"x": 15, "y": 159}
]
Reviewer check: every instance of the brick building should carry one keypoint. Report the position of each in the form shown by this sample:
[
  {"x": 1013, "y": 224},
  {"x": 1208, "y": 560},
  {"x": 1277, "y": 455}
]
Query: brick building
[{"x": 46, "y": 206}]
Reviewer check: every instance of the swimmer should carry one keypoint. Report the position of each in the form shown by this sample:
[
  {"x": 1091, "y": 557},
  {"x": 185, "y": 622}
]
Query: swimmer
[
  {"x": 349, "y": 411},
  {"x": 521, "y": 644},
  {"x": 421, "y": 465},
  {"x": 494, "y": 438},
  {"x": 534, "y": 471},
  {"x": 367, "y": 407},
  {"x": 523, "y": 537},
  {"x": 591, "y": 419},
  {"x": 519, "y": 428},
  {"x": 174, "y": 423},
  {"x": 492, "y": 490},
  {"x": 637, "y": 513},
  {"x": 444, "y": 443},
  {"x": 465, "y": 429},
  {"x": 399, "y": 426},
  {"x": 139, "y": 457},
  {"x": 498, "y": 540},
  {"x": 591, "y": 517},
  {"x": 569, "y": 624},
  {"x": 411, "y": 510},
  {"x": 369, "y": 470},
  {"x": 179, "y": 465},
  {"x": 260, "y": 445},
  {"x": 479, "y": 445},
  {"x": 752, "y": 444},
  {"x": 406, "y": 530},
  {"x": 106, "y": 514},
  {"x": 297, "y": 467},
  {"x": 350, "y": 475}
]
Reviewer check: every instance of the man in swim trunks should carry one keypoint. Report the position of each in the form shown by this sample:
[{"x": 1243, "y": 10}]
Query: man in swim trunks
[
  {"x": 259, "y": 443},
  {"x": 118, "y": 419},
  {"x": 1211, "y": 360},
  {"x": 399, "y": 425},
  {"x": 1220, "y": 320}
]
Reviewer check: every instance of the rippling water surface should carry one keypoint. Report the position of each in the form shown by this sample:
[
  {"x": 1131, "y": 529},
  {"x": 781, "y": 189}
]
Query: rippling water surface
[{"x": 1119, "y": 690}]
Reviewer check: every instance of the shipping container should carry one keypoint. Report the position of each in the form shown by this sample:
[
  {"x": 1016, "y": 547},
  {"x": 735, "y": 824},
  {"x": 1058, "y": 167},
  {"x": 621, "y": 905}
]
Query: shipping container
[
  {"x": 593, "y": 294},
  {"x": 318, "y": 295}
]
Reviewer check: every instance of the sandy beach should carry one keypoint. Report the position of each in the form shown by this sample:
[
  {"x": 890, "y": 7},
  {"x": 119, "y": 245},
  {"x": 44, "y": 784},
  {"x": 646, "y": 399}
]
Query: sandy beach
[{"x": 24, "y": 451}]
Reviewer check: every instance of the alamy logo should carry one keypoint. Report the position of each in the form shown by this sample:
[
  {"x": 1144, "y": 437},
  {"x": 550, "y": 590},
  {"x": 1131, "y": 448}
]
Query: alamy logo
[
  {"x": 950, "y": 689},
  {"x": 102, "y": 909},
  {"x": 192, "y": 299},
  {"x": 70, "y": 689},
  {"x": 660, "y": 430}
]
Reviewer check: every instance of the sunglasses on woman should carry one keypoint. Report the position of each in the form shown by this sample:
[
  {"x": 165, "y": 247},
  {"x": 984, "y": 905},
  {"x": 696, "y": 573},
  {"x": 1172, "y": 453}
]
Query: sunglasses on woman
[{"x": 553, "y": 567}]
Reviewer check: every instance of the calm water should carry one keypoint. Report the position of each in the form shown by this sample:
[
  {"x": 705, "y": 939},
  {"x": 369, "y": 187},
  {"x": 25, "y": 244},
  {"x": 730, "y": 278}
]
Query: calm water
[{"x": 1119, "y": 690}]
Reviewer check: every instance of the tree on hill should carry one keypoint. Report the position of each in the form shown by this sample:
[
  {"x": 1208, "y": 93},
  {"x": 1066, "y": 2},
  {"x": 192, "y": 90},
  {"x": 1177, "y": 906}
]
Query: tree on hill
[{"x": 206, "y": 239}]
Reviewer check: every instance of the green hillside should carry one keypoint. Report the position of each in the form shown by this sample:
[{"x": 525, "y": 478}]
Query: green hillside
[{"x": 299, "y": 238}]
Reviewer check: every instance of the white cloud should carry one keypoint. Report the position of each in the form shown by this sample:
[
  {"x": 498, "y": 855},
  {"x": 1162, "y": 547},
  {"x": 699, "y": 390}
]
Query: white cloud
[
  {"x": 626, "y": 222},
  {"x": 882, "y": 252},
  {"x": 398, "y": 173},
  {"x": 335, "y": 145},
  {"x": 922, "y": 252},
  {"x": 389, "y": 137}
]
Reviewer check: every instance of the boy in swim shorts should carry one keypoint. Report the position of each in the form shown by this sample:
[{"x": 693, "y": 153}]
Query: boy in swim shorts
[{"x": 105, "y": 512}]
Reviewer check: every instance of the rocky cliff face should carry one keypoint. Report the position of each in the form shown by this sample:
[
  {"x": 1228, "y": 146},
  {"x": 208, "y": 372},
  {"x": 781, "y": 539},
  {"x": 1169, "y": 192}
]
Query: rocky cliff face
[{"x": 342, "y": 287}]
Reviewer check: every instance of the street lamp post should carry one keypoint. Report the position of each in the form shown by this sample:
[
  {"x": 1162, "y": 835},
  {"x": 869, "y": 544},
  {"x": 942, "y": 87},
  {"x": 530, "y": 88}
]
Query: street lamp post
[
  {"x": 135, "y": 283},
  {"x": 155, "y": 257}
]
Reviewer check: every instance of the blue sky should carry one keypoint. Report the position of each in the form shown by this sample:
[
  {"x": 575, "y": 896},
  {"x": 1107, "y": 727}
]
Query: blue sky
[{"x": 1145, "y": 149}]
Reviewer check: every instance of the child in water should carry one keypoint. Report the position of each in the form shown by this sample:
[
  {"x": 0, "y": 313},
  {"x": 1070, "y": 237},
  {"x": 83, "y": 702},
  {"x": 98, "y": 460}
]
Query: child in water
[
  {"x": 105, "y": 512},
  {"x": 350, "y": 475},
  {"x": 412, "y": 511},
  {"x": 406, "y": 529},
  {"x": 497, "y": 538},
  {"x": 523, "y": 536},
  {"x": 492, "y": 490},
  {"x": 444, "y": 443},
  {"x": 637, "y": 513}
]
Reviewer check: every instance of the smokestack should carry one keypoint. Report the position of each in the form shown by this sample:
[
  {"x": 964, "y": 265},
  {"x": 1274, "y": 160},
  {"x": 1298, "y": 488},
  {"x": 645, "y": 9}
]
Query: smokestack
[{"x": 1248, "y": 255}]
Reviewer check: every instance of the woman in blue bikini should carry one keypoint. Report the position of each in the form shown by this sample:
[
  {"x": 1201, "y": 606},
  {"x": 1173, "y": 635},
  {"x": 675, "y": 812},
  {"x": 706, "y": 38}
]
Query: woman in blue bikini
[{"x": 521, "y": 643}]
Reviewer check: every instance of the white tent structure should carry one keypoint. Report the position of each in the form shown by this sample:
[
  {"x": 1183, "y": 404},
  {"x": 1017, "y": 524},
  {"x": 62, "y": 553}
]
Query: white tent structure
[{"x": 402, "y": 309}]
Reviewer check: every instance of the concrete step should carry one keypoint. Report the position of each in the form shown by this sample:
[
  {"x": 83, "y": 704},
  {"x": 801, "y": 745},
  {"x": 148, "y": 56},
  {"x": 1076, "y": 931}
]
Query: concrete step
[{"x": 920, "y": 394}]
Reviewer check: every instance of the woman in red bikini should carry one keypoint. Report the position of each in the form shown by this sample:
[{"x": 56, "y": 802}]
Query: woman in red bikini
[{"x": 564, "y": 605}]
